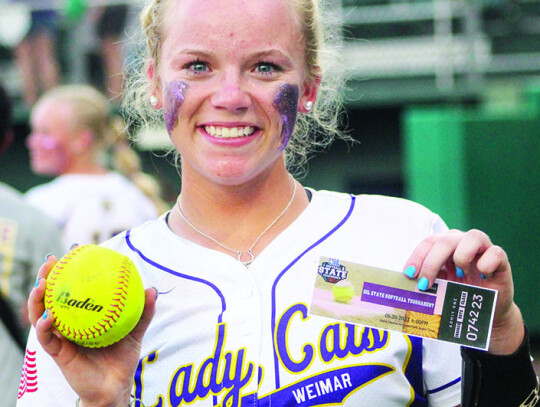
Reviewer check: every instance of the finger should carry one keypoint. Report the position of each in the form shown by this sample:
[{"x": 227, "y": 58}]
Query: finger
[
  {"x": 150, "y": 299},
  {"x": 471, "y": 246},
  {"x": 492, "y": 261},
  {"x": 45, "y": 333},
  {"x": 35, "y": 299},
  {"x": 438, "y": 259},
  {"x": 415, "y": 261}
]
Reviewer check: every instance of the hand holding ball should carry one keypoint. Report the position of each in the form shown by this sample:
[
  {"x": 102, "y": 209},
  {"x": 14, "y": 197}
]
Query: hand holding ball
[
  {"x": 343, "y": 291},
  {"x": 95, "y": 295}
]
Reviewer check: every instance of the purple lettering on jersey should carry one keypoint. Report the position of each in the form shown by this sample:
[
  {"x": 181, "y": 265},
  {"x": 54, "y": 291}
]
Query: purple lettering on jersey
[
  {"x": 286, "y": 103},
  {"x": 282, "y": 345},
  {"x": 226, "y": 374},
  {"x": 328, "y": 388},
  {"x": 331, "y": 344},
  {"x": 139, "y": 383},
  {"x": 174, "y": 97},
  {"x": 232, "y": 378}
]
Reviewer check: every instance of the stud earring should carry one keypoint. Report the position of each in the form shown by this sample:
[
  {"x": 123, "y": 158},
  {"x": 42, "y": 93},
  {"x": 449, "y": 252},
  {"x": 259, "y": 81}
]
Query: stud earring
[
  {"x": 153, "y": 100},
  {"x": 309, "y": 105}
]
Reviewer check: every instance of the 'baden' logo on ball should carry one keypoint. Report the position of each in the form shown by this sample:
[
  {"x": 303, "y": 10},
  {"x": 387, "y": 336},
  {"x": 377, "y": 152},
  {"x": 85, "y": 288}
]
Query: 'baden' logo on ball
[
  {"x": 64, "y": 300},
  {"x": 95, "y": 296},
  {"x": 332, "y": 272}
]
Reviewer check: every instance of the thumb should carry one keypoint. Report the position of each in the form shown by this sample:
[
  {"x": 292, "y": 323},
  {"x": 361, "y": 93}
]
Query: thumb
[{"x": 149, "y": 310}]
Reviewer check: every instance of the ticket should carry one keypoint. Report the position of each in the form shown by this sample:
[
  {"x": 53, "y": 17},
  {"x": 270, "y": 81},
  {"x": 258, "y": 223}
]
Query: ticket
[{"x": 386, "y": 299}]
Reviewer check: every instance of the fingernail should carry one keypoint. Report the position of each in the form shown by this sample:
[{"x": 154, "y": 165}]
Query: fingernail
[
  {"x": 45, "y": 314},
  {"x": 423, "y": 284},
  {"x": 157, "y": 292},
  {"x": 409, "y": 271},
  {"x": 37, "y": 281},
  {"x": 460, "y": 273},
  {"x": 73, "y": 245},
  {"x": 47, "y": 257},
  {"x": 483, "y": 277}
]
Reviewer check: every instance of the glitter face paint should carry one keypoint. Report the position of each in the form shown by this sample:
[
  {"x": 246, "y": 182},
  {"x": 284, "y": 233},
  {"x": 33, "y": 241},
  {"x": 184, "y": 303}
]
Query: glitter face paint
[
  {"x": 286, "y": 103},
  {"x": 174, "y": 97}
]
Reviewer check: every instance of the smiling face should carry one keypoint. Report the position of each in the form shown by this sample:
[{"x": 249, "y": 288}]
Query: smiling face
[{"x": 231, "y": 78}]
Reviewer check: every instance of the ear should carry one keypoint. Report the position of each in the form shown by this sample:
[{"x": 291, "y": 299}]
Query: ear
[
  {"x": 153, "y": 84},
  {"x": 83, "y": 141},
  {"x": 309, "y": 94},
  {"x": 6, "y": 141}
]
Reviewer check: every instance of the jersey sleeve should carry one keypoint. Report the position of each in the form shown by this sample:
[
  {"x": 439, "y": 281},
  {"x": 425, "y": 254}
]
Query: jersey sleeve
[
  {"x": 42, "y": 382},
  {"x": 442, "y": 373}
]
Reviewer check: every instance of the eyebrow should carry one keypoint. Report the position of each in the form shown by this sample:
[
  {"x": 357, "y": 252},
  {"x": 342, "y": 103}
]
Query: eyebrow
[{"x": 210, "y": 54}]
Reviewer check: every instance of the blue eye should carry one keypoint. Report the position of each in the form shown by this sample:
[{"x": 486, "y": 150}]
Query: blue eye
[
  {"x": 267, "y": 68},
  {"x": 196, "y": 67}
]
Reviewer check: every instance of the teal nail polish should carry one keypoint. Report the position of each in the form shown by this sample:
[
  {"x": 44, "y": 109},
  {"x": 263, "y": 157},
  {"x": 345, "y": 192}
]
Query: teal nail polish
[
  {"x": 47, "y": 256},
  {"x": 73, "y": 245},
  {"x": 409, "y": 271},
  {"x": 37, "y": 281},
  {"x": 45, "y": 314},
  {"x": 460, "y": 273},
  {"x": 423, "y": 284},
  {"x": 483, "y": 277}
]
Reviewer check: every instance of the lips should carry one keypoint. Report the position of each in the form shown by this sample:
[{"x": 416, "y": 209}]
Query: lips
[{"x": 230, "y": 132}]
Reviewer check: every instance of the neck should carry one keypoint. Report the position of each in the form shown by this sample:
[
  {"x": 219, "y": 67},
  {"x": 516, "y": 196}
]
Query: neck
[
  {"x": 85, "y": 168},
  {"x": 237, "y": 216}
]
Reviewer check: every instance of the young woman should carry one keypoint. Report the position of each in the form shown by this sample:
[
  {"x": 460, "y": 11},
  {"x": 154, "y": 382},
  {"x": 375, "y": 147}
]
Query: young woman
[
  {"x": 73, "y": 132},
  {"x": 235, "y": 260}
]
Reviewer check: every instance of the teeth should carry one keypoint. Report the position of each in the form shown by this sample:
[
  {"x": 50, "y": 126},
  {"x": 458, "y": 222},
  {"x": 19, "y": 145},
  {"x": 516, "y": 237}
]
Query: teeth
[{"x": 229, "y": 132}]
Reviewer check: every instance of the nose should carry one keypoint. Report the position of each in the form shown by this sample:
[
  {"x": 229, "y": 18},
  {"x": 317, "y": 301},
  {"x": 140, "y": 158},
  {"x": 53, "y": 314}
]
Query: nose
[
  {"x": 31, "y": 140},
  {"x": 231, "y": 93}
]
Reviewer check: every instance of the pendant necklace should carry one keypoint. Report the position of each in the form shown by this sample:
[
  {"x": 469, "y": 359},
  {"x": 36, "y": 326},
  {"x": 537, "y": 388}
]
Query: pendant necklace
[{"x": 239, "y": 253}]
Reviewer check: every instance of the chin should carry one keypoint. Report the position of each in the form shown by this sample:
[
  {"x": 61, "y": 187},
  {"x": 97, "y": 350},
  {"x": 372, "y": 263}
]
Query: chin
[{"x": 45, "y": 170}]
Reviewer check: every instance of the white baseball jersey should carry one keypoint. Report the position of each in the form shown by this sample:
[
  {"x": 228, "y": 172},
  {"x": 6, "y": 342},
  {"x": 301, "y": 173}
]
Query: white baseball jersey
[
  {"x": 228, "y": 335},
  {"x": 92, "y": 208}
]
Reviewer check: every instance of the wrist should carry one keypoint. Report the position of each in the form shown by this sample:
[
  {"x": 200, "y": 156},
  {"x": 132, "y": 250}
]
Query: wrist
[
  {"x": 507, "y": 334},
  {"x": 117, "y": 403},
  {"x": 131, "y": 403}
]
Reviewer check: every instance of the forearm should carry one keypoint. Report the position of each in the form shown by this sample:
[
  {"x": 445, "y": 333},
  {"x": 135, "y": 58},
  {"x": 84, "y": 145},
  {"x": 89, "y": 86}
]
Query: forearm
[
  {"x": 507, "y": 335},
  {"x": 507, "y": 380}
]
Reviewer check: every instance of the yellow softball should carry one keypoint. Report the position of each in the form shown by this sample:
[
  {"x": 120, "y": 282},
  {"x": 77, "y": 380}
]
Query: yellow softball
[{"x": 95, "y": 295}]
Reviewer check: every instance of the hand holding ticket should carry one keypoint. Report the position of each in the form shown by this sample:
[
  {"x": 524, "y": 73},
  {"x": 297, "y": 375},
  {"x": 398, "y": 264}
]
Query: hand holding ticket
[{"x": 385, "y": 299}]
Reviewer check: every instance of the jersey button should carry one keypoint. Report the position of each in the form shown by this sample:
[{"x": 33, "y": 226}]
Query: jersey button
[
  {"x": 245, "y": 291},
  {"x": 245, "y": 327}
]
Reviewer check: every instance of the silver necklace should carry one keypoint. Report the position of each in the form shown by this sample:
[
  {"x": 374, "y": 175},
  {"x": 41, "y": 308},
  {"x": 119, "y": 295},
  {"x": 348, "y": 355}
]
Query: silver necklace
[{"x": 249, "y": 251}]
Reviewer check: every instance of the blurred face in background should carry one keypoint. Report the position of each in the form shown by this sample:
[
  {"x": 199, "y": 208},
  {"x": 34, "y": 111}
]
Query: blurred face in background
[{"x": 53, "y": 141}]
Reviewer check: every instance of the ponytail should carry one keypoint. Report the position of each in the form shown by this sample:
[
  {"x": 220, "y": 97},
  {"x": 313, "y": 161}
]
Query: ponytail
[{"x": 126, "y": 161}]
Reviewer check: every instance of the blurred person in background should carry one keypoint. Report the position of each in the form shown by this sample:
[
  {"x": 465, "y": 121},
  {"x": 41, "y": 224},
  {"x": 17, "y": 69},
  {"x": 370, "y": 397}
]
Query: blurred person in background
[
  {"x": 26, "y": 236},
  {"x": 110, "y": 26},
  {"x": 72, "y": 130},
  {"x": 36, "y": 54}
]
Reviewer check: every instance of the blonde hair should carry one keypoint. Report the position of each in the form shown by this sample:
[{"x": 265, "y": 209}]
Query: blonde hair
[
  {"x": 91, "y": 110},
  {"x": 313, "y": 131}
]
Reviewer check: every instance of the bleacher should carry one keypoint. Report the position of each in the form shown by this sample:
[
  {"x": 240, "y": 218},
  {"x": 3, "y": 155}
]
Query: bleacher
[{"x": 438, "y": 50}]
